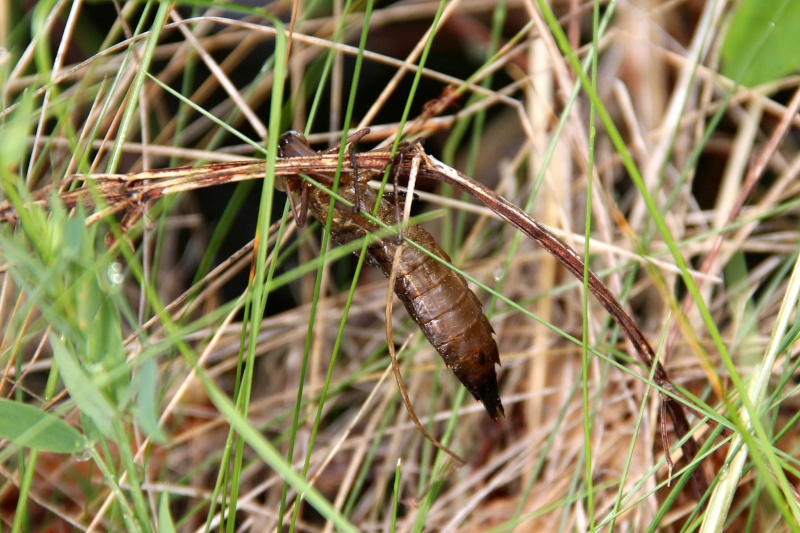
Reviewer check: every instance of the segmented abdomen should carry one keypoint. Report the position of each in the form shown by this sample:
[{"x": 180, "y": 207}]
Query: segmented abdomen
[
  {"x": 436, "y": 297},
  {"x": 448, "y": 312}
]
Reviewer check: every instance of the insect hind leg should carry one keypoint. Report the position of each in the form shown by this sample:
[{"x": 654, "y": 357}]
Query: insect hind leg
[
  {"x": 300, "y": 213},
  {"x": 351, "y": 140}
]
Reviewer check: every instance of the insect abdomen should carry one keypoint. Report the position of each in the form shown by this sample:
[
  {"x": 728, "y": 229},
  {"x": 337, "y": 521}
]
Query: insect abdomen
[{"x": 448, "y": 313}]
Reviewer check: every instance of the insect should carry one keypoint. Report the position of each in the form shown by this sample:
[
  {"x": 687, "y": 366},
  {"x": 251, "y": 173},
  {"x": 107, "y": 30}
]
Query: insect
[{"x": 436, "y": 297}]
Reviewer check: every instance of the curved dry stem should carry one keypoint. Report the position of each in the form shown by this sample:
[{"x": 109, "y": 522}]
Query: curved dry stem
[{"x": 396, "y": 367}]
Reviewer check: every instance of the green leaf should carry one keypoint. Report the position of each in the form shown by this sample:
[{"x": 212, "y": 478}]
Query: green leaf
[
  {"x": 761, "y": 44},
  {"x": 27, "y": 426},
  {"x": 14, "y": 132},
  {"x": 165, "y": 523},
  {"x": 104, "y": 349},
  {"x": 146, "y": 412},
  {"x": 84, "y": 392}
]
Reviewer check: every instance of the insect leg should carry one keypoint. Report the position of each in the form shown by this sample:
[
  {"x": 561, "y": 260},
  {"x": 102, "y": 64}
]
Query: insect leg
[
  {"x": 354, "y": 167},
  {"x": 133, "y": 213},
  {"x": 299, "y": 213},
  {"x": 303, "y": 214},
  {"x": 354, "y": 138},
  {"x": 350, "y": 141}
]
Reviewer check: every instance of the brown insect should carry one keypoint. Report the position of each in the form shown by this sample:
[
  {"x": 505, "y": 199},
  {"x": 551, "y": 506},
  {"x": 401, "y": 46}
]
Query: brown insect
[{"x": 436, "y": 297}]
